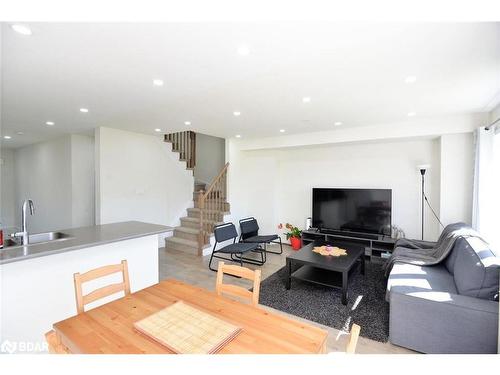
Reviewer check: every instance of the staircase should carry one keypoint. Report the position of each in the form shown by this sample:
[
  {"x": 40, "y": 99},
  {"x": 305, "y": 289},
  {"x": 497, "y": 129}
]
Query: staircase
[
  {"x": 209, "y": 204},
  {"x": 185, "y": 144}
]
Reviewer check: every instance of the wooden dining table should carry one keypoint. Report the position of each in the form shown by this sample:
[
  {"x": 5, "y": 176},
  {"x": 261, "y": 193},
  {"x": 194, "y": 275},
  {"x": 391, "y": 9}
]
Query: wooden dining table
[{"x": 109, "y": 329}]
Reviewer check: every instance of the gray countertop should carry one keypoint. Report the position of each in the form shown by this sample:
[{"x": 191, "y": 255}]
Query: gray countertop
[{"x": 82, "y": 238}]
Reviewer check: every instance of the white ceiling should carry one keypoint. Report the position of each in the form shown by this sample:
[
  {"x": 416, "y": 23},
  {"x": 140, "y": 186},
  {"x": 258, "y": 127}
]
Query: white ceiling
[{"x": 353, "y": 73}]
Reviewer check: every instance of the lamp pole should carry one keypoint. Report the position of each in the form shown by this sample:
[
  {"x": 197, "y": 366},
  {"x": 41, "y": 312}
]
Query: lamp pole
[{"x": 422, "y": 172}]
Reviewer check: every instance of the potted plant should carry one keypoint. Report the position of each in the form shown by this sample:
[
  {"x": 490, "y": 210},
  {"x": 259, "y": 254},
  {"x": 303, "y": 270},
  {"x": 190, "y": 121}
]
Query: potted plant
[{"x": 294, "y": 235}]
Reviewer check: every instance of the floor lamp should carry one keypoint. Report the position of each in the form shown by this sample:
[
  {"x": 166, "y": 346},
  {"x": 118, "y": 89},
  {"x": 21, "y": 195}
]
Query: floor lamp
[{"x": 423, "y": 168}]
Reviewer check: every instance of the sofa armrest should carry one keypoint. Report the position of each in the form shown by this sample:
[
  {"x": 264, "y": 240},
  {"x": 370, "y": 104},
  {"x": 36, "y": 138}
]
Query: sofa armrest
[
  {"x": 414, "y": 244},
  {"x": 437, "y": 322}
]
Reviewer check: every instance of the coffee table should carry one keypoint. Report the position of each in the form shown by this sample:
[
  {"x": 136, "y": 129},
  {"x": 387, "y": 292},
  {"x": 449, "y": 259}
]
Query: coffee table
[{"x": 330, "y": 271}]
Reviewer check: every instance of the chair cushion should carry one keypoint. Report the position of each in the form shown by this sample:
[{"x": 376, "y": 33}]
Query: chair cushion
[
  {"x": 476, "y": 268},
  {"x": 262, "y": 239},
  {"x": 239, "y": 247},
  {"x": 408, "y": 278}
]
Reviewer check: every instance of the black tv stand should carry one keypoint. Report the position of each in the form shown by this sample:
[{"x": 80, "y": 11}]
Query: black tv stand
[
  {"x": 377, "y": 247},
  {"x": 370, "y": 236}
]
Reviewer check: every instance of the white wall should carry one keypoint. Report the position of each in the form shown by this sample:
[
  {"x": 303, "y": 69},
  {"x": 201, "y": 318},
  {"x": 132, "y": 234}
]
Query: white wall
[
  {"x": 494, "y": 114},
  {"x": 210, "y": 157},
  {"x": 58, "y": 176},
  {"x": 82, "y": 176},
  {"x": 139, "y": 178},
  {"x": 271, "y": 178},
  {"x": 415, "y": 127},
  {"x": 457, "y": 177},
  {"x": 43, "y": 173},
  {"x": 8, "y": 192},
  {"x": 275, "y": 185}
]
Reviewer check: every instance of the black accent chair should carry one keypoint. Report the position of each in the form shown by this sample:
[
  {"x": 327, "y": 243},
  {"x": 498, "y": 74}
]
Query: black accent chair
[
  {"x": 250, "y": 234},
  {"x": 235, "y": 251}
]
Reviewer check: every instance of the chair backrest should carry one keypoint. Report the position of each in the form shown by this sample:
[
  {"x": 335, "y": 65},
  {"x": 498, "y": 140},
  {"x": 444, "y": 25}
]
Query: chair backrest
[
  {"x": 82, "y": 300},
  {"x": 238, "y": 291},
  {"x": 353, "y": 339},
  {"x": 224, "y": 232},
  {"x": 249, "y": 227}
]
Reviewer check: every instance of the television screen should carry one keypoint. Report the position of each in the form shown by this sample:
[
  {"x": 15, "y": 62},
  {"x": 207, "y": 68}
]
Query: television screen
[{"x": 355, "y": 210}]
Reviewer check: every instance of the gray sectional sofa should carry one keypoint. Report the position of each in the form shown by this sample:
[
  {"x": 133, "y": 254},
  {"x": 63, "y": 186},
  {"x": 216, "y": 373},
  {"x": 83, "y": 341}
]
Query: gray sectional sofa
[{"x": 451, "y": 307}]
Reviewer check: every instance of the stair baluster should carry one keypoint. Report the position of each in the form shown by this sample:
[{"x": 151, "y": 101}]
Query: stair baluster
[
  {"x": 185, "y": 144},
  {"x": 211, "y": 206}
]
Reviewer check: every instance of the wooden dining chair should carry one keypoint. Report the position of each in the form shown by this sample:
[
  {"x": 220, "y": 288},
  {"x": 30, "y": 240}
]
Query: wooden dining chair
[
  {"x": 353, "y": 339},
  {"x": 82, "y": 300},
  {"x": 238, "y": 291},
  {"x": 54, "y": 344}
]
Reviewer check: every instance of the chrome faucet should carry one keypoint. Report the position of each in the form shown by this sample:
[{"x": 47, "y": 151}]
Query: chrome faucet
[{"x": 23, "y": 235}]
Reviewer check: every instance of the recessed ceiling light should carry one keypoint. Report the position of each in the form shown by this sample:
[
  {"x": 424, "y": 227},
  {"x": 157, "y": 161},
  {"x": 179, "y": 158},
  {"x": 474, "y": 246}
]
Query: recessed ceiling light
[
  {"x": 7, "y": 137},
  {"x": 243, "y": 50},
  {"x": 84, "y": 110},
  {"x": 282, "y": 130},
  {"x": 187, "y": 123},
  {"x": 236, "y": 113},
  {"x": 21, "y": 29},
  {"x": 50, "y": 123},
  {"x": 20, "y": 133},
  {"x": 338, "y": 123},
  {"x": 238, "y": 136},
  {"x": 411, "y": 114},
  {"x": 157, "y": 130},
  {"x": 157, "y": 82},
  {"x": 306, "y": 99},
  {"x": 410, "y": 79}
]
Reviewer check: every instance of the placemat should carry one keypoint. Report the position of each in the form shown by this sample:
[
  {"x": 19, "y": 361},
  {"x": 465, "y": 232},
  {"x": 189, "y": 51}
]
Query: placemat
[
  {"x": 187, "y": 330},
  {"x": 330, "y": 250}
]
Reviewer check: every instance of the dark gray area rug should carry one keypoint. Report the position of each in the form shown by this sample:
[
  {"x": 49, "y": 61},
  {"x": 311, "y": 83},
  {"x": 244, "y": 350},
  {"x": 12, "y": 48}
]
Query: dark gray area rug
[{"x": 366, "y": 304}]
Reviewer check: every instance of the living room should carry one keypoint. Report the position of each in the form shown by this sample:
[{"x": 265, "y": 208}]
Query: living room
[{"x": 300, "y": 185}]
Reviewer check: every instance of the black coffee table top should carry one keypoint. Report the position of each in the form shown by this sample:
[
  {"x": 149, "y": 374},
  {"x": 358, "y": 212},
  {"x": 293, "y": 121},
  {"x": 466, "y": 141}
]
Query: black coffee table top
[{"x": 341, "y": 263}]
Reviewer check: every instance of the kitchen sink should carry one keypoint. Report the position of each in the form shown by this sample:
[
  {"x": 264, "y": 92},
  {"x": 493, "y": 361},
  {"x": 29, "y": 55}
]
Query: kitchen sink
[
  {"x": 37, "y": 239},
  {"x": 47, "y": 237}
]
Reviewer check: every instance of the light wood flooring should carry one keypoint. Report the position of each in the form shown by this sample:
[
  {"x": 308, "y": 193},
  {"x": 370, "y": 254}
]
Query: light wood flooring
[{"x": 194, "y": 270}]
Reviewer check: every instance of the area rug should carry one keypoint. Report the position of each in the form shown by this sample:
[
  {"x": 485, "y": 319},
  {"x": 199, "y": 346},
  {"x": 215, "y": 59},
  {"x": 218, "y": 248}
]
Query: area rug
[{"x": 366, "y": 304}]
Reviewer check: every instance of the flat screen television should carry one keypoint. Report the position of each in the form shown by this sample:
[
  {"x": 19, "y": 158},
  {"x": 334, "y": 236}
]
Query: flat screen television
[{"x": 354, "y": 210}]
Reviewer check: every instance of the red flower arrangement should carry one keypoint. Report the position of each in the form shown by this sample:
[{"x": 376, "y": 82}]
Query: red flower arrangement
[{"x": 294, "y": 234}]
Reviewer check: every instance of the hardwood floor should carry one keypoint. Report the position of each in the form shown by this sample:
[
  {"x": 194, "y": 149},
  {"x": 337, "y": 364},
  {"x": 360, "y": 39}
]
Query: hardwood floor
[{"x": 194, "y": 270}]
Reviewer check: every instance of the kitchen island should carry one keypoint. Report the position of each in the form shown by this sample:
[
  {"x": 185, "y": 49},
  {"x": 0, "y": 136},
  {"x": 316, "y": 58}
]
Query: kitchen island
[{"x": 36, "y": 280}]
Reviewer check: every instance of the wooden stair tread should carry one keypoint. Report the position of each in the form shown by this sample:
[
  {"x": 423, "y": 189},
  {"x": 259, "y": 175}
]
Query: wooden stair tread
[
  {"x": 197, "y": 220},
  {"x": 215, "y": 199},
  {"x": 194, "y": 209},
  {"x": 187, "y": 230},
  {"x": 185, "y": 242},
  {"x": 191, "y": 231},
  {"x": 192, "y": 219}
]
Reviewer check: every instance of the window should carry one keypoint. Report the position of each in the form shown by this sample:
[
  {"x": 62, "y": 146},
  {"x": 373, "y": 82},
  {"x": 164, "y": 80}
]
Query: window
[
  {"x": 495, "y": 212},
  {"x": 486, "y": 204}
]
